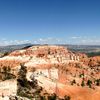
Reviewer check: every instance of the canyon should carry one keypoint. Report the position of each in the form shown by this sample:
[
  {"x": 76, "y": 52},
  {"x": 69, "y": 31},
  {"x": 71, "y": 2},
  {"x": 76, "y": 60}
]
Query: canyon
[{"x": 57, "y": 70}]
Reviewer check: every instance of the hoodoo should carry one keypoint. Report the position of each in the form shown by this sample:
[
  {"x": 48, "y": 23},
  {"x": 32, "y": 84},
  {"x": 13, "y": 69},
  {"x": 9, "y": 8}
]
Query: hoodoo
[{"x": 57, "y": 70}]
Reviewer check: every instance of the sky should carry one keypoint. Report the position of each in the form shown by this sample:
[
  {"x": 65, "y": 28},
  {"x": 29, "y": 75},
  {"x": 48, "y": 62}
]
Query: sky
[{"x": 50, "y": 22}]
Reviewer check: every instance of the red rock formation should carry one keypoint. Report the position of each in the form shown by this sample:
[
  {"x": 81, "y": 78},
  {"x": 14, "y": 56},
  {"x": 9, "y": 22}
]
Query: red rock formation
[{"x": 70, "y": 65}]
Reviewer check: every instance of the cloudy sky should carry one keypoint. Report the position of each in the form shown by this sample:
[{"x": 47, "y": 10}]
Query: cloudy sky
[{"x": 50, "y": 21}]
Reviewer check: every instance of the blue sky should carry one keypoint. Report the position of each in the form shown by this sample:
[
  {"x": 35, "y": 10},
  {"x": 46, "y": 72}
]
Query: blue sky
[{"x": 50, "y": 21}]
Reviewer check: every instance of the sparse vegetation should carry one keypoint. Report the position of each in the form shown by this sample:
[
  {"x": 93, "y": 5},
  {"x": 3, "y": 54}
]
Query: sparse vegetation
[
  {"x": 89, "y": 83},
  {"x": 73, "y": 82},
  {"x": 26, "y": 88},
  {"x": 52, "y": 97},
  {"x": 92, "y": 54},
  {"x": 81, "y": 75},
  {"x": 82, "y": 84},
  {"x": 5, "y": 73},
  {"x": 97, "y": 81},
  {"x": 67, "y": 97}
]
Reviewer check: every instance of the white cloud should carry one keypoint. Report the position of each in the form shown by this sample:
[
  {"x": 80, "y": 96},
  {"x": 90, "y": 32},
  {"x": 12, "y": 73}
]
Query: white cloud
[
  {"x": 75, "y": 37},
  {"x": 50, "y": 40},
  {"x": 4, "y": 42}
]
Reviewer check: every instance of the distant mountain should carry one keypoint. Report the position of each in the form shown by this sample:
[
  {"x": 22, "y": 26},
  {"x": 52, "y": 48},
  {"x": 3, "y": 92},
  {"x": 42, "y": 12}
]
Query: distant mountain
[
  {"x": 91, "y": 50},
  {"x": 83, "y": 48},
  {"x": 10, "y": 48}
]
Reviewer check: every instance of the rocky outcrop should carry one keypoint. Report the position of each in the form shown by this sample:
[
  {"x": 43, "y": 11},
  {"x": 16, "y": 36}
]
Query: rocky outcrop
[
  {"x": 55, "y": 64},
  {"x": 38, "y": 57}
]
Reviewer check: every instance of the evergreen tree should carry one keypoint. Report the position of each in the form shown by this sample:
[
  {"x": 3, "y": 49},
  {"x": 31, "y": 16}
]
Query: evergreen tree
[
  {"x": 89, "y": 82},
  {"x": 82, "y": 84},
  {"x": 26, "y": 88}
]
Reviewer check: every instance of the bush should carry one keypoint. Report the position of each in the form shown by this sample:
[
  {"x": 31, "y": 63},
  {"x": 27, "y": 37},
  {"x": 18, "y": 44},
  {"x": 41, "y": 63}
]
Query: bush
[
  {"x": 97, "y": 82},
  {"x": 52, "y": 97},
  {"x": 6, "y": 73},
  {"x": 73, "y": 82},
  {"x": 67, "y": 97},
  {"x": 81, "y": 75},
  {"x": 89, "y": 82},
  {"x": 26, "y": 88},
  {"x": 82, "y": 84}
]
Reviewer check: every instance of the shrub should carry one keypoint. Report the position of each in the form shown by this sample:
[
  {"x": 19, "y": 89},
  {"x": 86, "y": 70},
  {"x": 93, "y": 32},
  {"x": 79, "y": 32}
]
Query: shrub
[
  {"x": 73, "y": 82},
  {"x": 82, "y": 84},
  {"x": 89, "y": 82},
  {"x": 52, "y": 97},
  {"x": 97, "y": 82},
  {"x": 67, "y": 97},
  {"x": 26, "y": 88}
]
